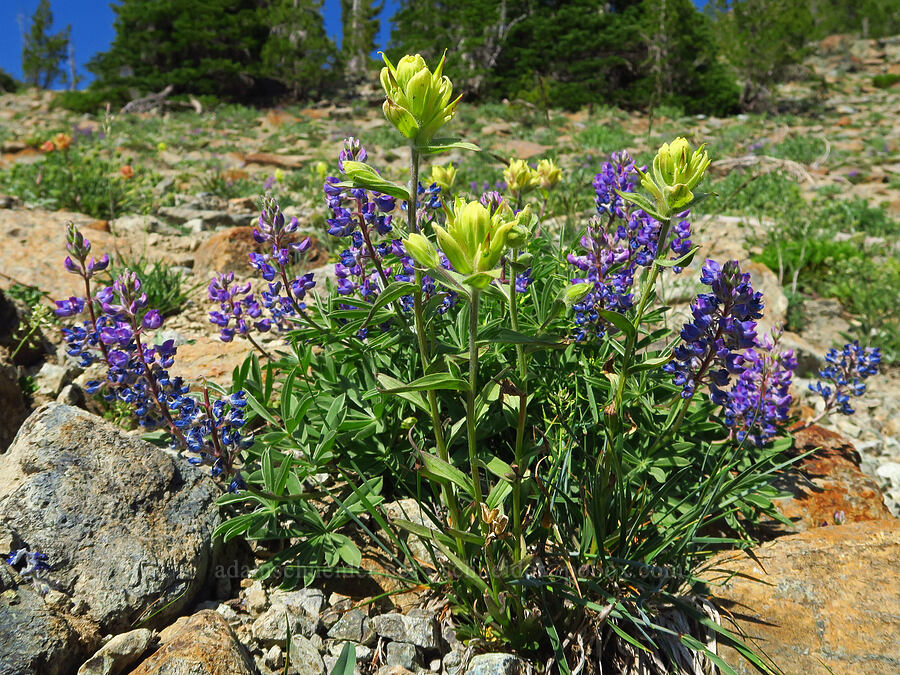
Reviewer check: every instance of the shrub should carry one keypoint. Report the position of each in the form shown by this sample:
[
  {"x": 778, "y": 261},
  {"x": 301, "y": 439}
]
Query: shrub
[{"x": 885, "y": 80}]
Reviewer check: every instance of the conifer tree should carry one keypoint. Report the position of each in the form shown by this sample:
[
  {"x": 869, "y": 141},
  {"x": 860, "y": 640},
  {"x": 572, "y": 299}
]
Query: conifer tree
[
  {"x": 43, "y": 52},
  {"x": 360, "y": 27},
  {"x": 298, "y": 52}
]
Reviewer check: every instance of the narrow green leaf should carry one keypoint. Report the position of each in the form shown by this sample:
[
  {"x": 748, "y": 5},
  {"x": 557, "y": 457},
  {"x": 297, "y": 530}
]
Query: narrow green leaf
[
  {"x": 444, "y": 472},
  {"x": 429, "y": 383},
  {"x": 437, "y": 145},
  {"x": 619, "y": 321},
  {"x": 395, "y": 289},
  {"x": 346, "y": 663}
]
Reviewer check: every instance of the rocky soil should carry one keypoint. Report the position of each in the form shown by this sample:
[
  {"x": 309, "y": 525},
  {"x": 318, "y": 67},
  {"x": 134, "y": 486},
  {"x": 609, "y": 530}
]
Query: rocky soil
[{"x": 136, "y": 583}]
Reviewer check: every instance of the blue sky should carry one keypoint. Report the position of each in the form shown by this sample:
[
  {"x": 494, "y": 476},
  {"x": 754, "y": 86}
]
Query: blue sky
[{"x": 92, "y": 27}]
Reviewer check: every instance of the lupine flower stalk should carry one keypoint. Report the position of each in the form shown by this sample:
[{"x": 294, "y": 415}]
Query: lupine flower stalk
[
  {"x": 757, "y": 405},
  {"x": 723, "y": 325},
  {"x": 619, "y": 239},
  {"x": 137, "y": 370},
  {"x": 843, "y": 377}
]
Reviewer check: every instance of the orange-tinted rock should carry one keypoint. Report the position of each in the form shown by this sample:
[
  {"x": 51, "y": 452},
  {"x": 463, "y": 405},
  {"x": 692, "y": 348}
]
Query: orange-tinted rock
[
  {"x": 830, "y": 601},
  {"x": 228, "y": 250},
  {"x": 206, "y": 644},
  {"x": 210, "y": 359},
  {"x": 827, "y": 482}
]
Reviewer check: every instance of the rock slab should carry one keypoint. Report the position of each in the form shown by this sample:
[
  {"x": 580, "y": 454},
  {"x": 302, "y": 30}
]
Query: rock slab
[
  {"x": 833, "y": 600},
  {"x": 205, "y": 645},
  {"x": 127, "y": 527}
]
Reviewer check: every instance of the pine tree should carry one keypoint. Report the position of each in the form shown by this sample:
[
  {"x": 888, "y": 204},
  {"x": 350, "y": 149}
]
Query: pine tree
[
  {"x": 761, "y": 39},
  {"x": 476, "y": 32},
  {"x": 360, "y": 27},
  {"x": 42, "y": 52},
  {"x": 298, "y": 52},
  {"x": 210, "y": 47}
]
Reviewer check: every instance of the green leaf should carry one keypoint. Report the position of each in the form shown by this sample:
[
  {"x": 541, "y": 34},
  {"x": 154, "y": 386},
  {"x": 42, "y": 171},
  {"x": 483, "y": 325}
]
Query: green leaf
[
  {"x": 260, "y": 410},
  {"x": 506, "y": 336},
  {"x": 683, "y": 261},
  {"x": 444, "y": 472},
  {"x": 641, "y": 202},
  {"x": 395, "y": 289},
  {"x": 390, "y": 383},
  {"x": 619, "y": 321},
  {"x": 436, "y": 145},
  {"x": 364, "y": 176},
  {"x": 431, "y": 382},
  {"x": 346, "y": 663}
]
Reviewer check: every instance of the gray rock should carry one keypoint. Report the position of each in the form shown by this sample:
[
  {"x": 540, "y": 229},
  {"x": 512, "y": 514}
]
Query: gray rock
[
  {"x": 71, "y": 395},
  {"x": 125, "y": 525},
  {"x": 402, "y": 654},
  {"x": 118, "y": 654},
  {"x": 418, "y": 630},
  {"x": 209, "y": 219},
  {"x": 33, "y": 637},
  {"x": 355, "y": 627},
  {"x": 305, "y": 658},
  {"x": 495, "y": 664},
  {"x": 300, "y": 609},
  {"x": 50, "y": 380},
  {"x": 141, "y": 224}
]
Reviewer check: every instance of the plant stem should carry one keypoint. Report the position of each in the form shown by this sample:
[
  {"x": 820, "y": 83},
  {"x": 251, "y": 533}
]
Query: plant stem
[
  {"x": 439, "y": 440},
  {"x": 470, "y": 400},
  {"x": 661, "y": 248},
  {"x": 522, "y": 362}
]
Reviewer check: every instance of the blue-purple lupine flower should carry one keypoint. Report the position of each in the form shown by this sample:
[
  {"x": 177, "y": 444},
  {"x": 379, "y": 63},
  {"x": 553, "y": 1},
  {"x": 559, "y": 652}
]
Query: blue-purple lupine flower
[
  {"x": 758, "y": 403},
  {"x": 30, "y": 565},
  {"x": 240, "y": 310},
  {"x": 843, "y": 376},
  {"x": 137, "y": 370},
  {"x": 723, "y": 325},
  {"x": 372, "y": 260},
  {"x": 618, "y": 240}
]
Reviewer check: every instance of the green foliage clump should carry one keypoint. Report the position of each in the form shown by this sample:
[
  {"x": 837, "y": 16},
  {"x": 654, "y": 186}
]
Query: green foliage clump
[
  {"x": 208, "y": 47},
  {"x": 298, "y": 52},
  {"x": 43, "y": 52},
  {"x": 761, "y": 39},
  {"x": 7, "y": 82},
  {"x": 885, "y": 80},
  {"x": 81, "y": 180},
  {"x": 91, "y": 101}
]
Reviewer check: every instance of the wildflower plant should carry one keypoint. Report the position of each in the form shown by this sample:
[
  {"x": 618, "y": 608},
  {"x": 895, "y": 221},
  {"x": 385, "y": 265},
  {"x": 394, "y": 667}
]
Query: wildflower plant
[{"x": 522, "y": 388}]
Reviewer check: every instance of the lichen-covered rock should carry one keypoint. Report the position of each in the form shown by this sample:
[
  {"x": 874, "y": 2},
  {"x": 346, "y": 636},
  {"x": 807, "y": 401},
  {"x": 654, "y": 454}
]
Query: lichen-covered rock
[
  {"x": 119, "y": 653},
  {"x": 830, "y": 601},
  {"x": 127, "y": 527},
  {"x": 300, "y": 609},
  {"x": 495, "y": 664},
  {"x": 353, "y": 626},
  {"x": 34, "y": 638},
  {"x": 205, "y": 645},
  {"x": 421, "y": 631}
]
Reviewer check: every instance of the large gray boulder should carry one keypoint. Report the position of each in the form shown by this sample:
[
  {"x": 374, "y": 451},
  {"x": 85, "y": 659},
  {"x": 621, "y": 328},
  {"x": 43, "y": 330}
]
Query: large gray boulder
[{"x": 127, "y": 527}]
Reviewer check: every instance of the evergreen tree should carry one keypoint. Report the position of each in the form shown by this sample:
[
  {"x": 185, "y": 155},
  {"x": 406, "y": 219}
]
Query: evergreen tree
[
  {"x": 211, "y": 47},
  {"x": 43, "y": 53},
  {"x": 475, "y": 31},
  {"x": 762, "y": 39},
  {"x": 360, "y": 27},
  {"x": 298, "y": 52}
]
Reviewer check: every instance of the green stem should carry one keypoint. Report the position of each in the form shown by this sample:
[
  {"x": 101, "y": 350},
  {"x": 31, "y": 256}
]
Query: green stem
[
  {"x": 470, "y": 400},
  {"x": 522, "y": 362},
  {"x": 630, "y": 343},
  {"x": 440, "y": 441}
]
